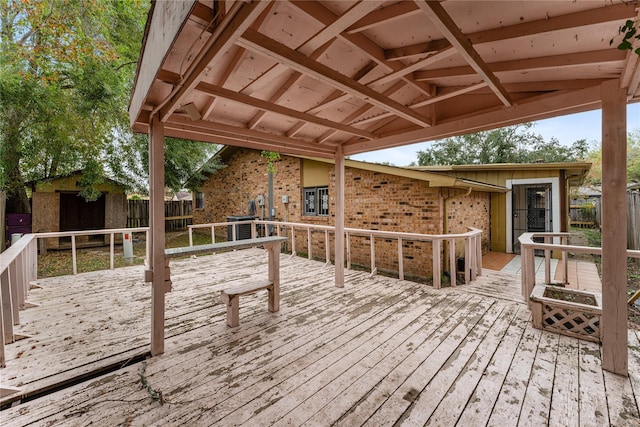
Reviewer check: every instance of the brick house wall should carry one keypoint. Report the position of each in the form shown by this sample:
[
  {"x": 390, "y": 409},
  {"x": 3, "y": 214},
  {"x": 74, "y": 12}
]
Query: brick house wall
[{"x": 373, "y": 200}]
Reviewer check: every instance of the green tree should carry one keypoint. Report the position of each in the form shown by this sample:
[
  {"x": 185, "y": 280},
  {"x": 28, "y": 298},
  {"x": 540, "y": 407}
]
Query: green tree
[
  {"x": 512, "y": 144},
  {"x": 66, "y": 70},
  {"x": 66, "y": 74},
  {"x": 594, "y": 156}
]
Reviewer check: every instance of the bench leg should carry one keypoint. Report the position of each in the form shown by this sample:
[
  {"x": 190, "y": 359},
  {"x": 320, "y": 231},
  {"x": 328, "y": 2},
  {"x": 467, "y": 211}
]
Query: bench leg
[
  {"x": 233, "y": 309},
  {"x": 274, "y": 300}
]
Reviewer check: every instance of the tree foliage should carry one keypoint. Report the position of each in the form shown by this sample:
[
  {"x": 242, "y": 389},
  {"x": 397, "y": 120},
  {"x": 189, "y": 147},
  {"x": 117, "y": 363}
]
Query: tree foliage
[
  {"x": 66, "y": 74},
  {"x": 512, "y": 144},
  {"x": 633, "y": 160}
]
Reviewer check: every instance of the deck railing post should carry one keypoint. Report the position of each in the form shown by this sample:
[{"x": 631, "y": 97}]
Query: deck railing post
[
  {"x": 19, "y": 289},
  {"x": 112, "y": 250},
  {"x": 400, "y": 260},
  {"x": 190, "y": 236},
  {"x": 452, "y": 262},
  {"x": 467, "y": 260},
  {"x": 327, "y": 250},
  {"x": 479, "y": 254},
  {"x": 374, "y": 270},
  {"x": 293, "y": 241},
  {"x": 348, "y": 245},
  {"x": 309, "y": 243},
  {"x": 7, "y": 302},
  {"x": 74, "y": 259},
  {"x": 547, "y": 261},
  {"x": 565, "y": 265},
  {"x": 435, "y": 264}
]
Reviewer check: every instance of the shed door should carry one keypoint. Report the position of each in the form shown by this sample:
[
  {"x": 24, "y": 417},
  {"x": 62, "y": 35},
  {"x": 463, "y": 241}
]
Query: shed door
[
  {"x": 531, "y": 210},
  {"x": 78, "y": 214}
]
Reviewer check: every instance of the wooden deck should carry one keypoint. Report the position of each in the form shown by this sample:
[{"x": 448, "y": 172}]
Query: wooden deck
[{"x": 379, "y": 352}]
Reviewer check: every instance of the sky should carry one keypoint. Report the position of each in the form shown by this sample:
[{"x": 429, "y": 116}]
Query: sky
[{"x": 566, "y": 129}]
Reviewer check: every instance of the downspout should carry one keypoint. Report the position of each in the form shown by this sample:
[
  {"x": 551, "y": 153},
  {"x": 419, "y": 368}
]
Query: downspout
[{"x": 445, "y": 226}]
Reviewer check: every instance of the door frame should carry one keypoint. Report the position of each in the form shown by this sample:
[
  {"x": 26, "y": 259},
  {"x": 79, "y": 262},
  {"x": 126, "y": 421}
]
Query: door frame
[{"x": 555, "y": 204}]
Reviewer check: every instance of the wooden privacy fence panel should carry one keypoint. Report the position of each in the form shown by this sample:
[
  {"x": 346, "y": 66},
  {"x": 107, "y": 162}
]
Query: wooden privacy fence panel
[
  {"x": 633, "y": 220},
  {"x": 177, "y": 214}
]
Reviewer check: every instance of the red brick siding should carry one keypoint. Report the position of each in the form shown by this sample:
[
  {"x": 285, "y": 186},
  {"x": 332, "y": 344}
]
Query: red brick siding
[{"x": 373, "y": 200}]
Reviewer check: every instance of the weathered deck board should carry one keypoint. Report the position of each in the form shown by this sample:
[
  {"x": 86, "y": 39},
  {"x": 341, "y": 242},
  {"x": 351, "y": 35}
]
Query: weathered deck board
[{"x": 378, "y": 352}]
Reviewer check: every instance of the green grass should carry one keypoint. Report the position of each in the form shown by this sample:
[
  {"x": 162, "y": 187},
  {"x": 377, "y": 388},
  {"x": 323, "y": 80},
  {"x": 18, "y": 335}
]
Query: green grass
[{"x": 59, "y": 262}]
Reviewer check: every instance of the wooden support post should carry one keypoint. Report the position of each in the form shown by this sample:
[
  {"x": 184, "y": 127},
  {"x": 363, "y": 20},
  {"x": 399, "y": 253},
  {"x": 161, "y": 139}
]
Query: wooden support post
[
  {"x": 274, "y": 276},
  {"x": 339, "y": 222},
  {"x": 467, "y": 260},
  {"x": 156, "y": 228},
  {"x": 74, "y": 256},
  {"x": 111, "y": 251},
  {"x": 11, "y": 296},
  {"x": 309, "y": 248},
  {"x": 614, "y": 228}
]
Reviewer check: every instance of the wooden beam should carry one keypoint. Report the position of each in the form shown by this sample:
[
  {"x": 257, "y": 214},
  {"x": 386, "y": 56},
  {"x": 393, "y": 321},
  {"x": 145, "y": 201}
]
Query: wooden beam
[
  {"x": 339, "y": 219},
  {"x": 450, "y": 30},
  {"x": 529, "y": 64},
  {"x": 614, "y": 228},
  {"x": 583, "y": 18},
  {"x": 224, "y": 37},
  {"x": 438, "y": 56},
  {"x": 420, "y": 49},
  {"x": 278, "y": 109},
  {"x": 243, "y": 134},
  {"x": 542, "y": 86},
  {"x": 323, "y": 15},
  {"x": 264, "y": 45},
  {"x": 156, "y": 233},
  {"x": 535, "y": 108},
  {"x": 449, "y": 94},
  {"x": 387, "y": 14}
]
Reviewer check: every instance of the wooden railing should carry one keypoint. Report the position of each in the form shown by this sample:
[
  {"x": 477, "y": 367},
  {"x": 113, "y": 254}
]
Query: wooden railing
[
  {"x": 548, "y": 245},
  {"x": 19, "y": 271},
  {"x": 472, "y": 244},
  {"x": 110, "y": 231}
]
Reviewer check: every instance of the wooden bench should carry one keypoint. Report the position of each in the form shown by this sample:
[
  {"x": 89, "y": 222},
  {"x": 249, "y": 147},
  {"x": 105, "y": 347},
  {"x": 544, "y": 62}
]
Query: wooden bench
[{"x": 230, "y": 296}]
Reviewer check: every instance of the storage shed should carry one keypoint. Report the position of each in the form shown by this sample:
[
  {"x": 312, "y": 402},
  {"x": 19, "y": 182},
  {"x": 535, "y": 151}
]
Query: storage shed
[{"x": 57, "y": 205}]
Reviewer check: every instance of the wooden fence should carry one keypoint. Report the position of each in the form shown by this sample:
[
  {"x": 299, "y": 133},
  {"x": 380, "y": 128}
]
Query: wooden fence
[
  {"x": 177, "y": 214},
  {"x": 633, "y": 220}
]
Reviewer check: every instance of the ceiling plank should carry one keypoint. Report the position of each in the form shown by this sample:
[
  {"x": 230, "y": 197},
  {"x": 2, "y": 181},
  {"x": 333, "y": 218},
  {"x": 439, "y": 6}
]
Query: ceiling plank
[
  {"x": 257, "y": 42},
  {"x": 529, "y": 64},
  {"x": 420, "y": 49},
  {"x": 332, "y": 30},
  {"x": 448, "y": 95},
  {"x": 450, "y": 30},
  {"x": 555, "y": 23},
  {"x": 584, "y": 18},
  {"x": 358, "y": 41},
  {"x": 278, "y": 109},
  {"x": 221, "y": 40},
  {"x": 387, "y": 14}
]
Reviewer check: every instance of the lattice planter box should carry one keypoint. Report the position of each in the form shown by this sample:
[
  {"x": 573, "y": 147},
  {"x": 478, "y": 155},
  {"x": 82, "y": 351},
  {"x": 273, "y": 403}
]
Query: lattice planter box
[{"x": 567, "y": 311}]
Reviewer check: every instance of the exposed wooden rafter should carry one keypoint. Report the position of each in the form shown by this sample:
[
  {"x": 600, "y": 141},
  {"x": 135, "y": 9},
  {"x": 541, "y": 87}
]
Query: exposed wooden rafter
[
  {"x": 222, "y": 39},
  {"x": 529, "y": 64},
  {"x": 262, "y": 44},
  {"x": 448, "y": 28},
  {"x": 277, "y": 109}
]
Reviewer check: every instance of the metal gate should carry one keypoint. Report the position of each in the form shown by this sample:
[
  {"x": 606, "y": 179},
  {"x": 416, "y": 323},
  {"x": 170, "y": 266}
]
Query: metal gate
[{"x": 531, "y": 210}]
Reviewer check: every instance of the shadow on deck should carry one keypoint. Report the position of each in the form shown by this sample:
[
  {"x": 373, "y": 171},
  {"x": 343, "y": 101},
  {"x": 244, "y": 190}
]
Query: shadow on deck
[{"x": 379, "y": 352}]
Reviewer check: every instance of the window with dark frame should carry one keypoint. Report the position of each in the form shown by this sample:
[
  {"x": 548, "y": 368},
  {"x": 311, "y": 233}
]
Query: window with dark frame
[
  {"x": 316, "y": 201},
  {"x": 199, "y": 200}
]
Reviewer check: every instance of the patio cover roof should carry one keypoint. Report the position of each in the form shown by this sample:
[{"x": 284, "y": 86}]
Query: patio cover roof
[
  {"x": 335, "y": 78},
  {"x": 302, "y": 77}
]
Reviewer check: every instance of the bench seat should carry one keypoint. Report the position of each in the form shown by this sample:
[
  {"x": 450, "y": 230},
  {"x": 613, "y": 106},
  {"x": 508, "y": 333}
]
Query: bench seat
[{"x": 230, "y": 297}]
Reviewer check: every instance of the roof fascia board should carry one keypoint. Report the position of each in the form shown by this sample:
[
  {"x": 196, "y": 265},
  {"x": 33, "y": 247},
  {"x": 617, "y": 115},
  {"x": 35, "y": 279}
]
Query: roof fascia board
[{"x": 166, "y": 23}]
